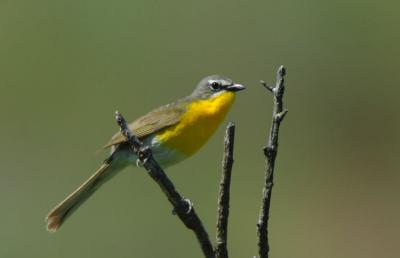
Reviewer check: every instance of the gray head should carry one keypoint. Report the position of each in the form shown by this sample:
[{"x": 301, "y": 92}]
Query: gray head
[{"x": 214, "y": 85}]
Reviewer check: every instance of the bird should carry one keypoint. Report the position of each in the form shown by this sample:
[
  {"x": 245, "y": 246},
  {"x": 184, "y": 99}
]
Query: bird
[{"x": 173, "y": 132}]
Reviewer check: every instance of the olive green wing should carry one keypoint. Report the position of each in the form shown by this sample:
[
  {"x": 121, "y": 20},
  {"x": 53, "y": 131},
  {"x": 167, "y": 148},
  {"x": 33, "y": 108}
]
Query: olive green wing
[{"x": 152, "y": 122}]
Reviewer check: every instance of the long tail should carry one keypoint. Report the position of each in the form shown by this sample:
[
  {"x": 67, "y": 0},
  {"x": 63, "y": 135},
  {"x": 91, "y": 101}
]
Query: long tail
[{"x": 64, "y": 209}]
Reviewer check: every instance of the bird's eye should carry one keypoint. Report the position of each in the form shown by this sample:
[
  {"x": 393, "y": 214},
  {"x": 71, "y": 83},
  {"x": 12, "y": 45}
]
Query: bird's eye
[{"x": 215, "y": 85}]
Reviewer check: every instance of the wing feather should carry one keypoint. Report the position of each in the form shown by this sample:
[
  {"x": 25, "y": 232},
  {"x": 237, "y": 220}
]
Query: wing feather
[{"x": 152, "y": 122}]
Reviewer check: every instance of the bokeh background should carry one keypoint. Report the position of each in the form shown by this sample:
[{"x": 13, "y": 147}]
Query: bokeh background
[{"x": 66, "y": 66}]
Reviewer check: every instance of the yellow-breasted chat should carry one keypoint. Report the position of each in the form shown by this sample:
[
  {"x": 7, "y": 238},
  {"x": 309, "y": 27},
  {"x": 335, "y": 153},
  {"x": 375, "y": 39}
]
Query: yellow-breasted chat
[{"x": 174, "y": 132}]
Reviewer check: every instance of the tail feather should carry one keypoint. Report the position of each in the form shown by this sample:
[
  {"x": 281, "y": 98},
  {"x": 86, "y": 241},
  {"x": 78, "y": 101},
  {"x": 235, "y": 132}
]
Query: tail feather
[{"x": 64, "y": 209}]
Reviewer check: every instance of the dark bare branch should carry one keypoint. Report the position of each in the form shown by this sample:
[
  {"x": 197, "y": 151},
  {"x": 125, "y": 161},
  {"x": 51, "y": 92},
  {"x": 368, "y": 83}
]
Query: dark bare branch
[
  {"x": 221, "y": 250},
  {"x": 270, "y": 152},
  {"x": 182, "y": 207}
]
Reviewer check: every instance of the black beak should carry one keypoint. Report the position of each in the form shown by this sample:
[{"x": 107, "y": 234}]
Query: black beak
[{"x": 235, "y": 87}]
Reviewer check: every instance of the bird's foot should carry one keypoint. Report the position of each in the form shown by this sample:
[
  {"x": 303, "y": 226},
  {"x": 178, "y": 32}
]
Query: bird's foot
[{"x": 139, "y": 163}]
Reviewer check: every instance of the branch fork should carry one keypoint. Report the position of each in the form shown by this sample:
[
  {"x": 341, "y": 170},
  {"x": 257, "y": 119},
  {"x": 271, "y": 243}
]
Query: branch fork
[{"x": 279, "y": 117}]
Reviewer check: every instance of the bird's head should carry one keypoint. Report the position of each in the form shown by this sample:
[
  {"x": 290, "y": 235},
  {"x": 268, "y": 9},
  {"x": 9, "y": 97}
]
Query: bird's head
[{"x": 215, "y": 85}]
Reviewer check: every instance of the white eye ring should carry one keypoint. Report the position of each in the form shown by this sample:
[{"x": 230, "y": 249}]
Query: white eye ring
[{"x": 215, "y": 85}]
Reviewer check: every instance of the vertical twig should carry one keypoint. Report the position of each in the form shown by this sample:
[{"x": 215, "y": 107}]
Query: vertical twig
[
  {"x": 182, "y": 207},
  {"x": 270, "y": 152},
  {"x": 221, "y": 250}
]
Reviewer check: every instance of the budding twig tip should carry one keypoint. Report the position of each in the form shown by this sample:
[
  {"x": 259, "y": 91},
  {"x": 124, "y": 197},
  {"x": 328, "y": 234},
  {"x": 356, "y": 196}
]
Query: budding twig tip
[{"x": 282, "y": 71}]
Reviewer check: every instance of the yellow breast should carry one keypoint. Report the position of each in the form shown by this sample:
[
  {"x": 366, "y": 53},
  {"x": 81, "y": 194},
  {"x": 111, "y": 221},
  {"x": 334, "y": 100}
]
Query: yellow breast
[{"x": 197, "y": 125}]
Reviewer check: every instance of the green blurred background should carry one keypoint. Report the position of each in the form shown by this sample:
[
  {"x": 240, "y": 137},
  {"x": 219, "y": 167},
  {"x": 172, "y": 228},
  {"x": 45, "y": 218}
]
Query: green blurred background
[{"x": 66, "y": 66}]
